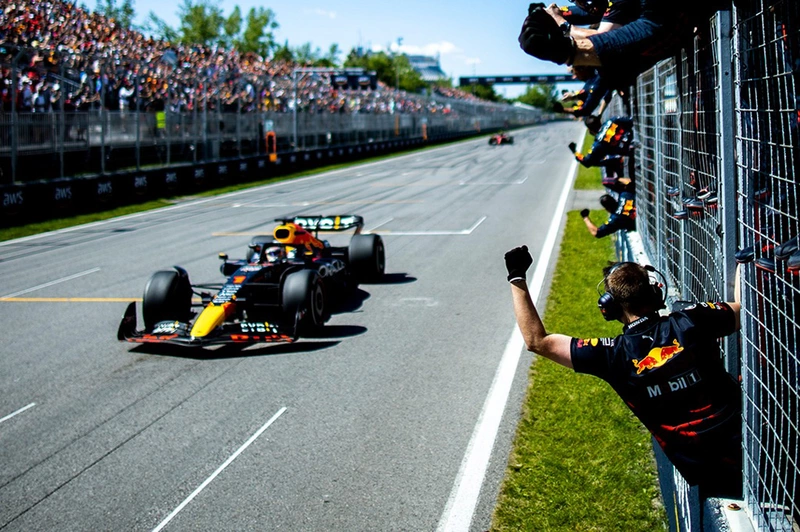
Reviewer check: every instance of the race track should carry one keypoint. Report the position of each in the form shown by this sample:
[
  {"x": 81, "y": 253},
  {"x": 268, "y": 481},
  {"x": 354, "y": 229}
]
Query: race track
[{"x": 364, "y": 429}]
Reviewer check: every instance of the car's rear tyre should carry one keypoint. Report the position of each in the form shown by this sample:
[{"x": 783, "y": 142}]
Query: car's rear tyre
[
  {"x": 167, "y": 296},
  {"x": 511, "y": 140},
  {"x": 367, "y": 257},
  {"x": 304, "y": 293}
]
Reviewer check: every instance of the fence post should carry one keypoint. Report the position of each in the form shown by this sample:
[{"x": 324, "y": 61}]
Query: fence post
[
  {"x": 14, "y": 117},
  {"x": 658, "y": 161},
  {"x": 727, "y": 200}
]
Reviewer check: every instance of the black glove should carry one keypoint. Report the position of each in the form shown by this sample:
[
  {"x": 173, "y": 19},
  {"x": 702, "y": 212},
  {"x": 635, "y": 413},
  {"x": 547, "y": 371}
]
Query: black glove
[
  {"x": 573, "y": 147},
  {"x": 542, "y": 38},
  {"x": 518, "y": 260},
  {"x": 585, "y": 213}
]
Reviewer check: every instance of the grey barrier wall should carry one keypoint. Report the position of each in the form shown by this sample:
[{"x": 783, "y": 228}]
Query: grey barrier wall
[{"x": 716, "y": 173}]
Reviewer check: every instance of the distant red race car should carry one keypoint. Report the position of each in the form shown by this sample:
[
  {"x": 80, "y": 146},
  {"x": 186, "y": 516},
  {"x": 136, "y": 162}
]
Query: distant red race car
[{"x": 500, "y": 138}]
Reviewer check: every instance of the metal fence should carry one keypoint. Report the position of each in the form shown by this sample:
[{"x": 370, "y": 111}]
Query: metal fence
[
  {"x": 117, "y": 117},
  {"x": 716, "y": 173}
]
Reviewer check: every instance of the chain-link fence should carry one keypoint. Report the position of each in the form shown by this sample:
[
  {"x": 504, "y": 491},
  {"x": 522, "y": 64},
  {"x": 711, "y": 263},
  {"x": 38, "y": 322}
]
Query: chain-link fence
[{"x": 716, "y": 174}]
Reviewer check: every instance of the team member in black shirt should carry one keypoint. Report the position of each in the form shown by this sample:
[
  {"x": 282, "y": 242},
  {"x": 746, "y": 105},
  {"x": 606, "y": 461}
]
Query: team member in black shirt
[
  {"x": 667, "y": 369},
  {"x": 622, "y": 215}
]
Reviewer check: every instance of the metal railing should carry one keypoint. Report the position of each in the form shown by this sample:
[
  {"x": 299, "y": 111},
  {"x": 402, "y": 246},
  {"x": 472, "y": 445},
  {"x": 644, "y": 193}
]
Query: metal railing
[
  {"x": 115, "y": 119},
  {"x": 722, "y": 121}
]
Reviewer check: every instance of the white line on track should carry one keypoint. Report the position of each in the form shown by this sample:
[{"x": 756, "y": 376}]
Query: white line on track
[
  {"x": 493, "y": 183},
  {"x": 463, "y": 232},
  {"x": 51, "y": 283},
  {"x": 194, "y": 203},
  {"x": 460, "y": 507},
  {"x": 219, "y": 470},
  {"x": 379, "y": 225},
  {"x": 21, "y": 410}
]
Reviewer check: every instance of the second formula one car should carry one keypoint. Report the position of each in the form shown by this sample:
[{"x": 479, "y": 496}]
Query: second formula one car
[
  {"x": 285, "y": 286},
  {"x": 500, "y": 138}
]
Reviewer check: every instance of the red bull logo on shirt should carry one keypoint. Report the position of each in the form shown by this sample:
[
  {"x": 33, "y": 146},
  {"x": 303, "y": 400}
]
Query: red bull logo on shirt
[{"x": 657, "y": 357}]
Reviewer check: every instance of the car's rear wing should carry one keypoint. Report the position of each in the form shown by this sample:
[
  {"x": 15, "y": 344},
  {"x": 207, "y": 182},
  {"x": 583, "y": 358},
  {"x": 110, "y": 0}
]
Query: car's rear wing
[{"x": 326, "y": 223}]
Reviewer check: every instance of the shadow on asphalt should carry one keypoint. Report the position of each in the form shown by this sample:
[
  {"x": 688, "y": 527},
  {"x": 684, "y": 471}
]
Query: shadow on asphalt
[
  {"x": 392, "y": 278},
  {"x": 196, "y": 353}
]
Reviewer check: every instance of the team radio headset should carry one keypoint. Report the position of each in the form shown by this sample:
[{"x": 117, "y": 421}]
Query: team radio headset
[{"x": 612, "y": 309}]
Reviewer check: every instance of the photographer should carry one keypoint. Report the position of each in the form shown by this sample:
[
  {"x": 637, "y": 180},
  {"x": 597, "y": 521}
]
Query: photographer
[{"x": 667, "y": 369}]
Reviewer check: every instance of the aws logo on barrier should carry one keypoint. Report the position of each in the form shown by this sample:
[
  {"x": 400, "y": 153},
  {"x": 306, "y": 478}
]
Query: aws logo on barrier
[
  {"x": 140, "y": 184},
  {"x": 199, "y": 175},
  {"x": 13, "y": 202},
  {"x": 62, "y": 196},
  {"x": 171, "y": 180},
  {"x": 105, "y": 190}
]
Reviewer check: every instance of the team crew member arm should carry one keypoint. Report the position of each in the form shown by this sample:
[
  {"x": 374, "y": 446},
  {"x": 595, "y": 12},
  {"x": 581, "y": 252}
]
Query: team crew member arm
[
  {"x": 555, "y": 347},
  {"x": 577, "y": 32},
  {"x": 589, "y": 225}
]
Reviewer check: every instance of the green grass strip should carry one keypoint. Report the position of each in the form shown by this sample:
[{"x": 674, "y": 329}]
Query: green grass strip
[
  {"x": 588, "y": 178},
  {"x": 581, "y": 460},
  {"x": 20, "y": 231}
]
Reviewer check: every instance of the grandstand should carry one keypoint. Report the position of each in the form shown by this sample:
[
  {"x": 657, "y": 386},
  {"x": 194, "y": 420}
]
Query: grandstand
[
  {"x": 429, "y": 68},
  {"x": 83, "y": 96}
]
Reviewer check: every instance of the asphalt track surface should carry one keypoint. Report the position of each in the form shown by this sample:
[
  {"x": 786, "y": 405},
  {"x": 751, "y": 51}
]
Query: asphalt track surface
[{"x": 370, "y": 427}]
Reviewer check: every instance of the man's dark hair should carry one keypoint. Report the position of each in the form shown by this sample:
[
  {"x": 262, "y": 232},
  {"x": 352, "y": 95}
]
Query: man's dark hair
[
  {"x": 609, "y": 203},
  {"x": 632, "y": 288},
  {"x": 593, "y": 124}
]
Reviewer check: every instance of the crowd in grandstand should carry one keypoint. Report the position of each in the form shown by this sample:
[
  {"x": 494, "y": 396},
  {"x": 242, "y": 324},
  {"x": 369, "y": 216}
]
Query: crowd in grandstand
[{"x": 69, "y": 57}]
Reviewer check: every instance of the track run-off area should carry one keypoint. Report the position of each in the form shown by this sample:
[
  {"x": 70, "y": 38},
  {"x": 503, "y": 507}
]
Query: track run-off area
[{"x": 399, "y": 416}]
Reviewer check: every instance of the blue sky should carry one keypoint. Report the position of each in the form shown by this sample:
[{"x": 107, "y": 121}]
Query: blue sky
[{"x": 471, "y": 37}]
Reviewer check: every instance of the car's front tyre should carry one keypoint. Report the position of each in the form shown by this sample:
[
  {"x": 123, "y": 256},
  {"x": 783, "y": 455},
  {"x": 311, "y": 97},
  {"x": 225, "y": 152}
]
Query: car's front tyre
[{"x": 167, "y": 296}]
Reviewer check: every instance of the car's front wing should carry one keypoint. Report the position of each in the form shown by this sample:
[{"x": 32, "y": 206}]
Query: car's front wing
[{"x": 178, "y": 333}]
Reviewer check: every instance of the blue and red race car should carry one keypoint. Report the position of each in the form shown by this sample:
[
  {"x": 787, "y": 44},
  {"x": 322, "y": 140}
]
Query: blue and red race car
[{"x": 285, "y": 286}]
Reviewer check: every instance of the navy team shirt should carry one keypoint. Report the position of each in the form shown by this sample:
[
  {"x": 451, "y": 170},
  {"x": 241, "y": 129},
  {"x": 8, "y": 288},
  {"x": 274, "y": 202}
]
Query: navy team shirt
[{"x": 669, "y": 372}]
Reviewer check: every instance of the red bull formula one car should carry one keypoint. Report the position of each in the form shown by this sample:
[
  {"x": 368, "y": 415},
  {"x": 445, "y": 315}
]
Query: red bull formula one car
[
  {"x": 500, "y": 138},
  {"x": 286, "y": 286}
]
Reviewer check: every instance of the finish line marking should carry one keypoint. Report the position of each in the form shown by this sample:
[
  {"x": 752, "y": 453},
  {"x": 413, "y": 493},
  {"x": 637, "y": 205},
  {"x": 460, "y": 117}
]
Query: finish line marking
[
  {"x": 463, "y": 500},
  {"x": 465, "y": 232},
  {"x": 219, "y": 470}
]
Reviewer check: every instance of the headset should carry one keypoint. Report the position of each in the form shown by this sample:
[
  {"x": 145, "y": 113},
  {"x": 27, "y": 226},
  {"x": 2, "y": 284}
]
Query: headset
[{"x": 611, "y": 309}]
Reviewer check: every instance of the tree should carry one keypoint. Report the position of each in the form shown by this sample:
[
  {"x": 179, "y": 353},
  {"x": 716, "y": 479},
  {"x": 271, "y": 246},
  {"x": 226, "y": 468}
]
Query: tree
[
  {"x": 231, "y": 27},
  {"x": 542, "y": 96},
  {"x": 283, "y": 53},
  {"x": 202, "y": 22},
  {"x": 122, "y": 14},
  {"x": 389, "y": 68},
  {"x": 258, "y": 36}
]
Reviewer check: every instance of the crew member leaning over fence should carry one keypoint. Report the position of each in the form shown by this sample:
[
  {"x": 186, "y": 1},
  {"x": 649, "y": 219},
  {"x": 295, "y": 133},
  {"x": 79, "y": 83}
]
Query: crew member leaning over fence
[{"x": 667, "y": 369}]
